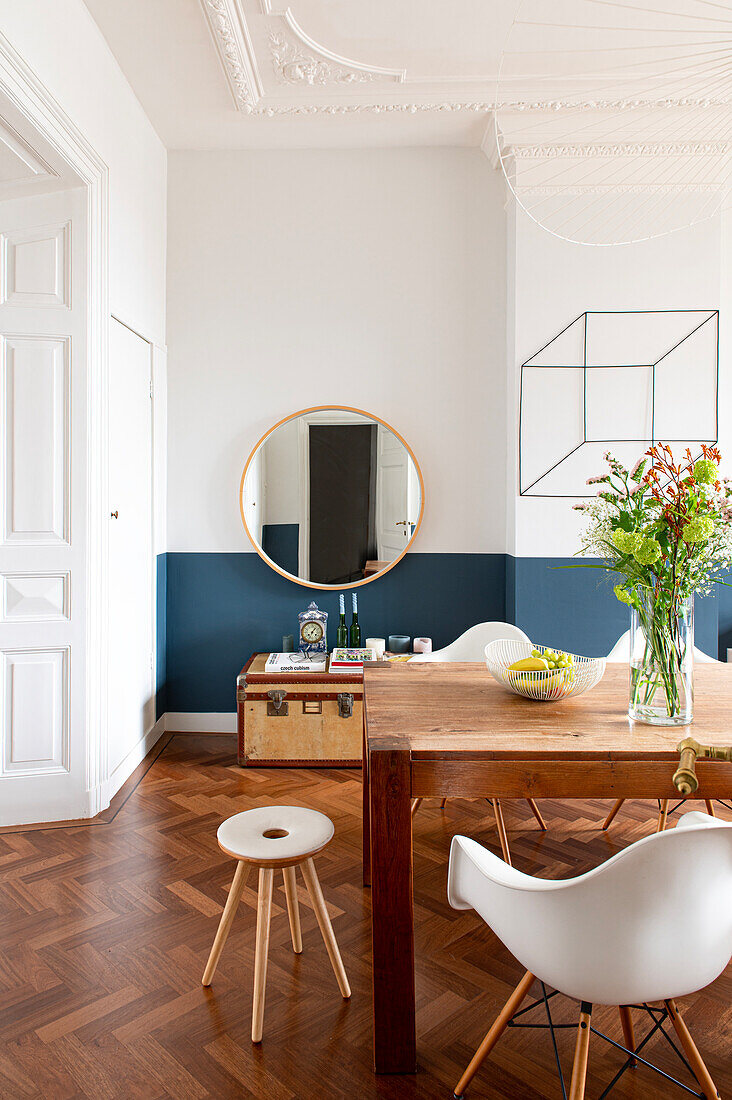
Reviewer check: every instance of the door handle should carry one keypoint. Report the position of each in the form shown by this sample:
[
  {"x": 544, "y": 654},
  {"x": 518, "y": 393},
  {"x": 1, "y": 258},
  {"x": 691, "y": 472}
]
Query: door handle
[{"x": 114, "y": 515}]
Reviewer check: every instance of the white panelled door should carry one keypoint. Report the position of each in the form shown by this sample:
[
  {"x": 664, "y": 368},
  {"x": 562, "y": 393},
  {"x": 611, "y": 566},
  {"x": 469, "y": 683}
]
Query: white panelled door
[
  {"x": 43, "y": 506},
  {"x": 131, "y": 574},
  {"x": 396, "y": 496}
]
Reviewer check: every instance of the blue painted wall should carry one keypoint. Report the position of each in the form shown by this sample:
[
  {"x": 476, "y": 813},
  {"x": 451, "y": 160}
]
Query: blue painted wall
[
  {"x": 214, "y": 610},
  {"x": 222, "y": 607}
]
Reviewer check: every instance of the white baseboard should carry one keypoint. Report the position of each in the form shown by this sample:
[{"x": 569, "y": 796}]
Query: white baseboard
[
  {"x": 200, "y": 722},
  {"x": 136, "y": 755}
]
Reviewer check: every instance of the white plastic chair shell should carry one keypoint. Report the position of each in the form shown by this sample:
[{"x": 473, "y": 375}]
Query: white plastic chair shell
[
  {"x": 653, "y": 923},
  {"x": 620, "y": 653},
  {"x": 470, "y": 646}
]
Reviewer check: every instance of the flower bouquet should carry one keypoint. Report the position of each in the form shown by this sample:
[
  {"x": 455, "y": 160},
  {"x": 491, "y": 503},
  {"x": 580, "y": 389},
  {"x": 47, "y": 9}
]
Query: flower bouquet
[{"x": 666, "y": 529}]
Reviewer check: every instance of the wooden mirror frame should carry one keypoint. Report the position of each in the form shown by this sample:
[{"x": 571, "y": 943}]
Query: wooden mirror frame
[{"x": 273, "y": 564}]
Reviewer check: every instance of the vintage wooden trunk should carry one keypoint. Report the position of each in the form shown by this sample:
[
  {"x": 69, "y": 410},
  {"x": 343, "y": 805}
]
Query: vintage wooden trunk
[{"x": 314, "y": 719}]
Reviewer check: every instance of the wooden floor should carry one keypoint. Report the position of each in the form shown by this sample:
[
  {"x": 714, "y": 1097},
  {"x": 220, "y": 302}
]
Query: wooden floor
[{"x": 105, "y": 928}]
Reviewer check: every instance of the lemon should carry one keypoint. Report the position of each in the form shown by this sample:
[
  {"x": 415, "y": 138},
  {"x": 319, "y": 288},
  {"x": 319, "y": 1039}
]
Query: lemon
[{"x": 530, "y": 664}]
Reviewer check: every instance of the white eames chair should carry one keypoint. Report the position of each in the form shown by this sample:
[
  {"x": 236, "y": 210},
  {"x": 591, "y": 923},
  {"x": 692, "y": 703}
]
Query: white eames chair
[
  {"x": 652, "y": 924},
  {"x": 620, "y": 654},
  {"x": 470, "y": 646}
]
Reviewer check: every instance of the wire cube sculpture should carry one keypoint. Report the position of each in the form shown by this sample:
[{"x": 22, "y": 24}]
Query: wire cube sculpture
[{"x": 620, "y": 381}]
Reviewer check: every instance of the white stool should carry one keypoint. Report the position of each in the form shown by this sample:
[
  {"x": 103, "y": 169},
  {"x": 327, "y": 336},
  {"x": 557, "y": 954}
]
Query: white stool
[{"x": 271, "y": 837}]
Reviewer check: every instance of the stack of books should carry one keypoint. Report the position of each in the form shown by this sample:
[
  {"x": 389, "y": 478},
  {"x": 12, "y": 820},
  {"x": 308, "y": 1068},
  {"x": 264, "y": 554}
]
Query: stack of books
[
  {"x": 296, "y": 662},
  {"x": 350, "y": 660}
]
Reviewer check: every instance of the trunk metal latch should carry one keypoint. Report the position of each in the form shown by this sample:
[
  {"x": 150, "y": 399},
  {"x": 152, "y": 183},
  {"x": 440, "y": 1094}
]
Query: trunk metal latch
[
  {"x": 345, "y": 704},
  {"x": 277, "y": 707}
]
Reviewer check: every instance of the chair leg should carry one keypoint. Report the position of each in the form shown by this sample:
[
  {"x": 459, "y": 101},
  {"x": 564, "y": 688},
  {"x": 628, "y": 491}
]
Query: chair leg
[
  {"x": 662, "y": 815},
  {"x": 293, "y": 908},
  {"x": 581, "y": 1051},
  {"x": 610, "y": 817},
  {"x": 443, "y": 804},
  {"x": 537, "y": 813},
  {"x": 316, "y": 896},
  {"x": 501, "y": 824},
  {"x": 264, "y": 910},
  {"x": 710, "y": 807},
  {"x": 699, "y": 1070},
  {"x": 502, "y": 1021},
  {"x": 227, "y": 918},
  {"x": 415, "y": 805},
  {"x": 626, "y": 1022}
]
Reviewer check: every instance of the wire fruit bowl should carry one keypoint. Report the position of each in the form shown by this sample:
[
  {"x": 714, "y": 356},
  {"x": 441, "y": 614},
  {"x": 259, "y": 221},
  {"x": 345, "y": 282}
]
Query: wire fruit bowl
[{"x": 545, "y": 685}]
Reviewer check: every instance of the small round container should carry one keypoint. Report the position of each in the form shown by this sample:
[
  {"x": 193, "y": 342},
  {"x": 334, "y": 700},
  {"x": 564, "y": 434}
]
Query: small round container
[
  {"x": 399, "y": 643},
  {"x": 544, "y": 686}
]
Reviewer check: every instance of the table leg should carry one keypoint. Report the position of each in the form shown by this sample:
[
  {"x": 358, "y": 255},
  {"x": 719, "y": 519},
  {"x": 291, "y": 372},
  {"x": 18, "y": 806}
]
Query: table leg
[
  {"x": 366, "y": 825},
  {"x": 392, "y": 919}
]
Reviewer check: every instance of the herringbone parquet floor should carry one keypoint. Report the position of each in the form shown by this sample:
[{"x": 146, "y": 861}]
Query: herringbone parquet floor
[{"x": 105, "y": 928}]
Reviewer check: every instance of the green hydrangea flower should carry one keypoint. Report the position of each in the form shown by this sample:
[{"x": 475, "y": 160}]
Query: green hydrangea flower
[
  {"x": 648, "y": 552},
  {"x": 698, "y": 529},
  {"x": 623, "y": 594},
  {"x": 627, "y": 542},
  {"x": 706, "y": 473}
]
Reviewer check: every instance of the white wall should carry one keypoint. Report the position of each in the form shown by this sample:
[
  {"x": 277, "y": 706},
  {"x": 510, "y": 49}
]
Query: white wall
[
  {"x": 61, "y": 43},
  {"x": 551, "y": 282},
  {"x": 367, "y": 278}
]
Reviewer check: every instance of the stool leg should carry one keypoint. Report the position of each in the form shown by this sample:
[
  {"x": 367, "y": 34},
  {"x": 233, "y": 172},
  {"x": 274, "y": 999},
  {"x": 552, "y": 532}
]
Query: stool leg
[
  {"x": 608, "y": 820},
  {"x": 443, "y": 803},
  {"x": 227, "y": 917},
  {"x": 626, "y": 1022},
  {"x": 501, "y": 830},
  {"x": 581, "y": 1051},
  {"x": 537, "y": 813},
  {"x": 316, "y": 896},
  {"x": 293, "y": 908},
  {"x": 710, "y": 807},
  {"x": 696, "y": 1062},
  {"x": 415, "y": 805},
  {"x": 264, "y": 909},
  {"x": 662, "y": 815}
]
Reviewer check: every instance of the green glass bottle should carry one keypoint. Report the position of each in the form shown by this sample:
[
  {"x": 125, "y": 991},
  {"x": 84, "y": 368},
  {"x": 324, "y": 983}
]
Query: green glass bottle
[
  {"x": 342, "y": 631},
  {"x": 356, "y": 638}
]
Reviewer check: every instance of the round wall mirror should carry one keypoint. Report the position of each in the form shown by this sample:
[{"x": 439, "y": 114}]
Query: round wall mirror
[{"x": 331, "y": 497}]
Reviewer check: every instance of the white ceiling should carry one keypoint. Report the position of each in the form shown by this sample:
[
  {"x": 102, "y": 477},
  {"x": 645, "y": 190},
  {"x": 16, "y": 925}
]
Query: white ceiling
[{"x": 255, "y": 73}]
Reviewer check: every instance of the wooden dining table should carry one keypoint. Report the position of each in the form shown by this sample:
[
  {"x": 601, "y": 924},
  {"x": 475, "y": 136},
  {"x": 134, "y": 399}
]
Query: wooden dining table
[{"x": 438, "y": 730}]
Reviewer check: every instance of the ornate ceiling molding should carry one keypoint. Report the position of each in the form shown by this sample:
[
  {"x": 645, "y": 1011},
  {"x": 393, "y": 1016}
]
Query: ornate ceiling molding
[
  {"x": 621, "y": 149},
  {"x": 231, "y": 37}
]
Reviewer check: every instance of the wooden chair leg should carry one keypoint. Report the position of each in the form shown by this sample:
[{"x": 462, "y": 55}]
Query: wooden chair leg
[
  {"x": 609, "y": 819},
  {"x": 626, "y": 1022},
  {"x": 581, "y": 1051},
  {"x": 443, "y": 804},
  {"x": 696, "y": 1062},
  {"x": 293, "y": 908},
  {"x": 662, "y": 815},
  {"x": 505, "y": 1016},
  {"x": 710, "y": 807},
  {"x": 502, "y": 836},
  {"x": 316, "y": 896},
  {"x": 537, "y": 813},
  {"x": 227, "y": 917},
  {"x": 264, "y": 910},
  {"x": 416, "y": 802}
]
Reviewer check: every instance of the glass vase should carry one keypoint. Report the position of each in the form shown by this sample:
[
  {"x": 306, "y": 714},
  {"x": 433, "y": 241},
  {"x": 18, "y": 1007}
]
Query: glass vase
[{"x": 662, "y": 661}]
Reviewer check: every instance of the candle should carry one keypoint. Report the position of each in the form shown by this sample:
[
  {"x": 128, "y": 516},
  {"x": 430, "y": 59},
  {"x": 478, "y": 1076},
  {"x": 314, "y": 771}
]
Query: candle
[
  {"x": 342, "y": 604},
  {"x": 422, "y": 645},
  {"x": 378, "y": 645},
  {"x": 399, "y": 643},
  {"x": 288, "y": 643}
]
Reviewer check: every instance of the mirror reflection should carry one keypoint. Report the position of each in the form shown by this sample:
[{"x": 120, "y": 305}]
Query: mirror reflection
[{"x": 331, "y": 496}]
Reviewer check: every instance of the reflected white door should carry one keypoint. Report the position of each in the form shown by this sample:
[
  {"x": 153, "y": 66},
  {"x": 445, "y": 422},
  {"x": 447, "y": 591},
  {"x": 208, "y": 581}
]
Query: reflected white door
[
  {"x": 43, "y": 292},
  {"x": 393, "y": 517},
  {"x": 131, "y": 603}
]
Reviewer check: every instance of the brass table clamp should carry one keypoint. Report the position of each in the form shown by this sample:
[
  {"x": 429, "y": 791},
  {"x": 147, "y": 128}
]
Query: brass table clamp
[{"x": 685, "y": 779}]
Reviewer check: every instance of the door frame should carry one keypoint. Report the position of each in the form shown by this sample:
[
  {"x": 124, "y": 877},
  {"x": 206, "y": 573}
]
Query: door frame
[{"x": 29, "y": 96}]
